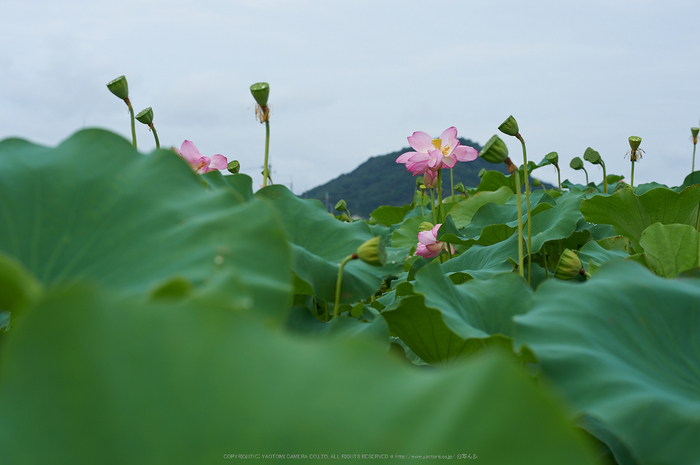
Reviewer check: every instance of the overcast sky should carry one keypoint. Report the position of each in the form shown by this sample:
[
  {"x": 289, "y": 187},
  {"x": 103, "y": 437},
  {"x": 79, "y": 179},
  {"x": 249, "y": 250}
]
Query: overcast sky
[{"x": 352, "y": 79}]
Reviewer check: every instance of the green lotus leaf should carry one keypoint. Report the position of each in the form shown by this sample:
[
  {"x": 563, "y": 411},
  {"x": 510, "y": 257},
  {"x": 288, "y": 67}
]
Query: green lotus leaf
[
  {"x": 241, "y": 184},
  {"x": 631, "y": 214},
  {"x": 321, "y": 242},
  {"x": 670, "y": 249},
  {"x": 95, "y": 378},
  {"x": 301, "y": 321},
  {"x": 94, "y": 208},
  {"x": 464, "y": 211},
  {"x": 492, "y": 214},
  {"x": 388, "y": 215},
  {"x": 446, "y": 321},
  {"x": 483, "y": 262},
  {"x": 593, "y": 251},
  {"x": 692, "y": 178},
  {"x": 623, "y": 348},
  {"x": 489, "y": 235},
  {"x": 556, "y": 223},
  {"x": 407, "y": 234},
  {"x": 493, "y": 181},
  {"x": 19, "y": 288}
]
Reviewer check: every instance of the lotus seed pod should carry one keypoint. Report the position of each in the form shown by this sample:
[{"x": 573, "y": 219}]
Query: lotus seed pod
[
  {"x": 591, "y": 156},
  {"x": 234, "y": 167},
  {"x": 509, "y": 126},
  {"x": 569, "y": 266},
  {"x": 634, "y": 142},
  {"x": 536, "y": 182},
  {"x": 459, "y": 187},
  {"x": 260, "y": 91},
  {"x": 694, "y": 132},
  {"x": 425, "y": 226},
  {"x": 145, "y": 116},
  {"x": 344, "y": 217},
  {"x": 373, "y": 252},
  {"x": 553, "y": 158},
  {"x": 576, "y": 163},
  {"x": 495, "y": 150},
  {"x": 119, "y": 87},
  {"x": 341, "y": 206},
  {"x": 482, "y": 172}
]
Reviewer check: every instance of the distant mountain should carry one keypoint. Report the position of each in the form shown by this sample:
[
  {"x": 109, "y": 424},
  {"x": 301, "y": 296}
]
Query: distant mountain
[{"x": 381, "y": 181}]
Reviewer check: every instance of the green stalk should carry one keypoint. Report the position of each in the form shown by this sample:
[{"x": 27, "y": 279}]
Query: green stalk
[
  {"x": 631, "y": 174},
  {"x": 133, "y": 121},
  {"x": 584, "y": 170},
  {"x": 155, "y": 135},
  {"x": 439, "y": 190},
  {"x": 605, "y": 178},
  {"x": 558, "y": 177},
  {"x": 693, "y": 169},
  {"x": 432, "y": 205},
  {"x": 339, "y": 282},
  {"x": 452, "y": 184},
  {"x": 266, "y": 169},
  {"x": 527, "y": 202},
  {"x": 520, "y": 223},
  {"x": 544, "y": 259}
]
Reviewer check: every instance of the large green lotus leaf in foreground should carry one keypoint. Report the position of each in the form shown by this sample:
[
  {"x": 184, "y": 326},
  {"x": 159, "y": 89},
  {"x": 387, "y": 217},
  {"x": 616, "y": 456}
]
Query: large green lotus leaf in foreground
[
  {"x": 625, "y": 348},
  {"x": 670, "y": 249},
  {"x": 321, "y": 242},
  {"x": 630, "y": 214},
  {"x": 92, "y": 378},
  {"x": 446, "y": 321},
  {"x": 94, "y": 208}
]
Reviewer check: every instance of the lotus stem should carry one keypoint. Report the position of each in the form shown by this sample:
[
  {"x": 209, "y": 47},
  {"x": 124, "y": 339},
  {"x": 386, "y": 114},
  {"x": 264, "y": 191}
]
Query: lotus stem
[
  {"x": 155, "y": 135},
  {"x": 432, "y": 205},
  {"x": 584, "y": 170},
  {"x": 439, "y": 192},
  {"x": 516, "y": 173},
  {"x": 133, "y": 121},
  {"x": 452, "y": 183},
  {"x": 527, "y": 203},
  {"x": 266, "y": 168},
  {"x": 605, "y": 178},
  {"x": 339, "y": 283},
  {"x": 693, "y": 168}
]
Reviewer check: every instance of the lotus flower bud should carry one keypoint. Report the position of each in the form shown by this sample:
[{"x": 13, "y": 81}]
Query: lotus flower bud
[
  {"x": 621, "y": 185},
  {"x": 576, "y": 163},
  {"x": 553, "y": 158},
  {"x": 509, "y": 126},
  {"x": 372, "y": 252},
  {"x": 341, "y": 206},
  {"x": 260, "y": 91},
  {"x": 145, "y": 116},
  {"x": 634, "y": 142},
  {"x": 119, "y": 87},
  {"x": 234, "y": 167},
  {"x": 425, "y": 226},
  {"x": 495, "y": 150},
  {"x": 569, "y": 266},
  {"x": 591, "y": 156}
]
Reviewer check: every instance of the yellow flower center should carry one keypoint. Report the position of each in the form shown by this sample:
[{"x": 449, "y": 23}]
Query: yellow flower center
[{"x": 437, "y": 143}]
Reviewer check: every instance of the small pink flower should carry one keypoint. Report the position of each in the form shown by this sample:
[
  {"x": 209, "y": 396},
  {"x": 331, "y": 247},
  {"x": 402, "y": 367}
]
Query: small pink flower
[
  {"x": 198, "y": 162},
  {"x": 434, "y": 154},
  {"x": 428, "y": 245}
]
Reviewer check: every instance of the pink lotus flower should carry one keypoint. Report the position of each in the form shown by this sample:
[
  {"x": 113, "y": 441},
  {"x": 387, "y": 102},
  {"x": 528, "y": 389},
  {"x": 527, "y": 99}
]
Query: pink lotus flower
[
  {"x": 434, "y": 154},
  {"x": 198, "y": 162},
  {"x": 428, "y": 245}
]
